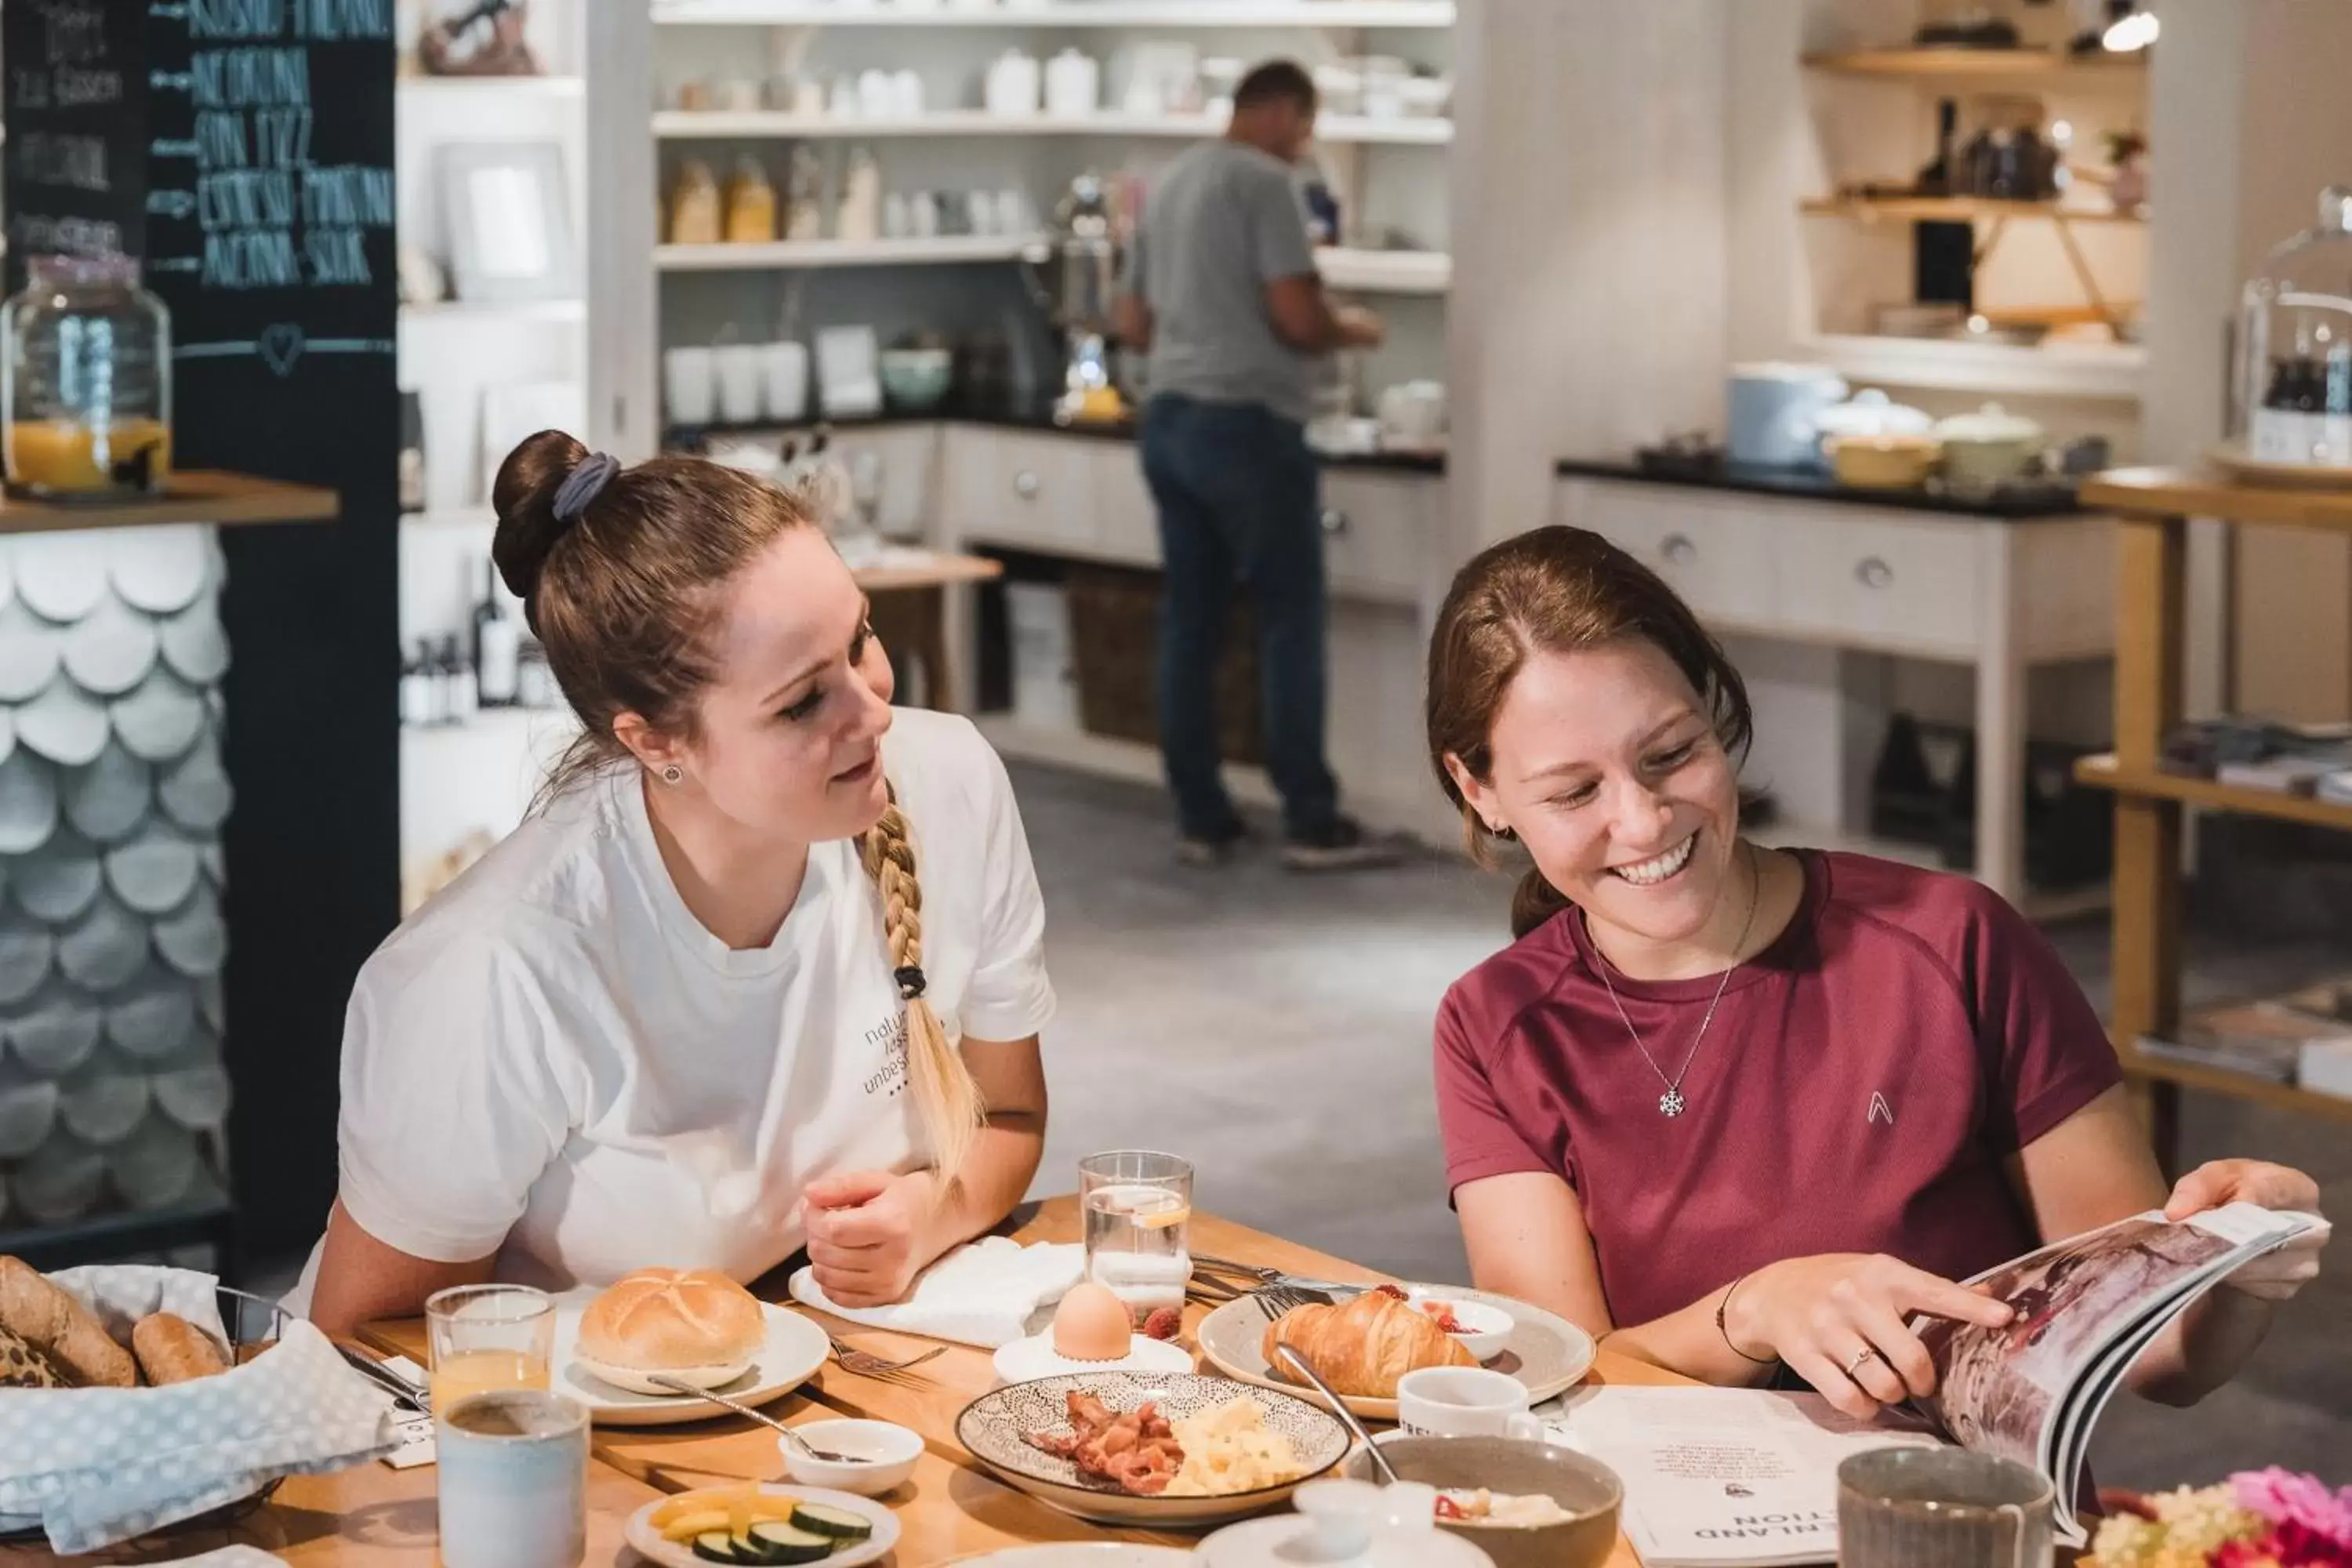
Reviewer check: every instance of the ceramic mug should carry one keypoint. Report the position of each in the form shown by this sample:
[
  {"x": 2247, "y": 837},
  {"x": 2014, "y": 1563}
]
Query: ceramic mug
[
  {"x": 514, "y": 1481},
  {"x": 1942, "y": 1507},
  {"x": 785, "y": 372},
  {"x": 739, "y": 382},
  {"x": 690, "y": 384},
  {"x": 1464, "y": 1402}
]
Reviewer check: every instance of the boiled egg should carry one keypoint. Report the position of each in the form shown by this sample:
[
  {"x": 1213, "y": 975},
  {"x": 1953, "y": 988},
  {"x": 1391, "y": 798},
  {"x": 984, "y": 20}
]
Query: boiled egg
[{"x": 1092, "y": 1324}]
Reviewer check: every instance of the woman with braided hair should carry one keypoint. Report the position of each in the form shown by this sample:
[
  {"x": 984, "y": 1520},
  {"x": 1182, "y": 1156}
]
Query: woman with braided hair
[{"x": 761, "y": 971}]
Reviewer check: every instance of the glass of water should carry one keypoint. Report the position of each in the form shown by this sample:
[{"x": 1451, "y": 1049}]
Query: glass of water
[{"x": 1138, "y": 1211}]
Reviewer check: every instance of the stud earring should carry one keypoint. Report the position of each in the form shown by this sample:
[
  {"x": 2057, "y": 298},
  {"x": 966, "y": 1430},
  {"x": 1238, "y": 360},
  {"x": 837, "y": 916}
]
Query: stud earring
[{"x": 673, "y": 774}]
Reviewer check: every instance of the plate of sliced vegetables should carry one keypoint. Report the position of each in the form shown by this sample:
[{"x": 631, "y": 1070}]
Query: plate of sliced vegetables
[{"x": 763, "y": 1525}]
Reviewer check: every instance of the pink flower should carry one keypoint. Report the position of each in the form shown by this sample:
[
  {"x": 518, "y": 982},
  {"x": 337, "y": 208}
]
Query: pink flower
[{"x": 2287, "y": 1498}]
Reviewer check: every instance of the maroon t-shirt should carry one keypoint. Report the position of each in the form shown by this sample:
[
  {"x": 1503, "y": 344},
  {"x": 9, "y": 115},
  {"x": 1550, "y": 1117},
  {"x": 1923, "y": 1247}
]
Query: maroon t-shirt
[{"x": 1862, "y": 1082}]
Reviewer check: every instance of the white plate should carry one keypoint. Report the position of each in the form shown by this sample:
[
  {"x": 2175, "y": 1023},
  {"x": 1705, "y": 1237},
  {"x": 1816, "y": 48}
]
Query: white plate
[
  {"x": 104, "y": 948},
  {"x": 110, "y": 651},
  {"x": 27, "y": 948},
  {"x": 110, "y": 798},
  {"x": 55, "y": 883},
  {"x": 646, "y": 1541},
  {"x": 196, "y": 790},
  {"x": 154, "y": 872},
  {"x": 159, "y": 570},
  {"x": 1287, "y": 1538},
  {"x": 1543, "y": 1351},
  {"x": 1081, "y": 1554},
  {"x": 1035, "y": 1357},
  {"x": 31, "y": 652},
  {"x": 196, "y": 644},
  {"x": 193, "y": 939},
  {"x": 57, "y": 1033},
  {"x": 795, "y": 1348},
  {"x": 61, "y": 575},
  {"x": 162, "y": 719},
  {"x": 64, "y": 723}
]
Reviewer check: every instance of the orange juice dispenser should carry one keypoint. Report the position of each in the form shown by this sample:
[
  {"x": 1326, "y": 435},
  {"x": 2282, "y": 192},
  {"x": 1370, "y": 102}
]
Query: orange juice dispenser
[{"x": 86, "y": 382}]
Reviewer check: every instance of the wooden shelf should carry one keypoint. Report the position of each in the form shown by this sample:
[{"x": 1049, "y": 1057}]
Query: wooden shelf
[
  {"x": 1979, "y": 65},
  {"x": 1956, "y": 209},
  {"x": 196, "y": 496},
  {"x": 1349, "y": 13},
  {"x": 2105, "y": 371},
  {"x": 1386, "y": 271},
  {"x": 681, "y": 124},
  {"x": 475, "y": 312},
  {"x": 2237, "y": 1086},
  {"x": 2190, "y": 492},
  {"x": 481, "y": 86},
  {"x": 2102, "y": 772},
  {"x": 792, "y": 255}
]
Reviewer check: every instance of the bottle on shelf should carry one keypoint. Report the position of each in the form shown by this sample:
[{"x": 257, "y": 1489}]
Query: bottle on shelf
[
  {"x": 417, "y": 705},
  {"x": 457, "y": 679},
  {"x": 497, "y": 646},
  {"x": 534, "y": 682}
]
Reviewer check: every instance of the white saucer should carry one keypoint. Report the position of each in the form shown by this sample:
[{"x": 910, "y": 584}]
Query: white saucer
[
  {"x": 795, "y": 1349},
  {"x": 633, "y": 1382},
  {"x": 1026, "y": 1360}
]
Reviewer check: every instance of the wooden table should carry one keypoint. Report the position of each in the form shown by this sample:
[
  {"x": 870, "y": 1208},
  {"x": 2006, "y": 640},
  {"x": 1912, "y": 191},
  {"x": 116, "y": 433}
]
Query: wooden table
[
  {"x": 911, "y": 615},
  {"x": 377, "y": 1518}
]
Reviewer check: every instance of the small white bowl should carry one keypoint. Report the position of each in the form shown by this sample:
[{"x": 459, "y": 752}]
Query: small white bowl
[
  {"x": 885, "y": 1453},
  {"x": 1485, "y": 1329}
]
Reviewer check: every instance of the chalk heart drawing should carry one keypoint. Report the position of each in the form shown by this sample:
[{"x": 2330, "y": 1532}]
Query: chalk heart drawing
[{"x": 281, "y": 344}]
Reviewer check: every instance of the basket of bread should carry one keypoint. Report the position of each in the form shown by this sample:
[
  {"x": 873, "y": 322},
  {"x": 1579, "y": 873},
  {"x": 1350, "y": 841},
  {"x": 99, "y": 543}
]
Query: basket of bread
[{"x": 133, "y": 1397}]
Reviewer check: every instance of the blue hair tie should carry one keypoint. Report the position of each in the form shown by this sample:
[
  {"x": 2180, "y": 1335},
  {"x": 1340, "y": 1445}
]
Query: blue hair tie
[{"x": 583, "y": 484}]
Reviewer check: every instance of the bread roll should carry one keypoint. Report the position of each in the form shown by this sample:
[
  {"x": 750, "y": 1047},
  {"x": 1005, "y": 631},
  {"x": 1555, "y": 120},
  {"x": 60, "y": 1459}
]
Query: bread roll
[
  {"x": 173, "y": 1350},
  {"x": 1361, "y": 1347},
  {"x": 661, "y": 1320},
  {"x": 21, "y": 1366},
  {"x": 60, "y": 1328}
]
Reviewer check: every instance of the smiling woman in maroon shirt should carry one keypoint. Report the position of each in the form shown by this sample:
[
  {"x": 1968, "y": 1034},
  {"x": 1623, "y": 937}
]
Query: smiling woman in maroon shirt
[{"x": 1737, "y": 1107}]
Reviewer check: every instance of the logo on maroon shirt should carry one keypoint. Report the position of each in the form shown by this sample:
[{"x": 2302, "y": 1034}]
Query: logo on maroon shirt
[{"x": 1879, "y": 1110}]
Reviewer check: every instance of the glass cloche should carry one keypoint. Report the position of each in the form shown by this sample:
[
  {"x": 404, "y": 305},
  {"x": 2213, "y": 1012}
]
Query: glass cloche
[
  {"x": 85, "y": 381},
  {"x": 2294, "y": 403}
]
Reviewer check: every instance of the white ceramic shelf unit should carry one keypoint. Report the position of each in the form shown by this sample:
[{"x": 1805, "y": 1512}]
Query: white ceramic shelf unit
[
  {"x": 1350, "y": 14},
  {"x": 676, "y": 124},
  {"x": 1403, "y": 272}
]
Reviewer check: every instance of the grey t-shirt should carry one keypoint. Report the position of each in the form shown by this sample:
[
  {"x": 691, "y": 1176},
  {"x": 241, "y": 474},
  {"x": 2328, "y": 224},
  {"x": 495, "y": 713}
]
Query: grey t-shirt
[{"x": 1218, "y": 227}]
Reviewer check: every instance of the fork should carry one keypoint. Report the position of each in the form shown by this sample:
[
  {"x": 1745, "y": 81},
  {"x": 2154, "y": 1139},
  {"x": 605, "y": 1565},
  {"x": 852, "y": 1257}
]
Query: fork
[
  {"x": 1202, "y": 1264},
  {"x": 1274, "y": 1301},
  {"x": 865, "y": 1363}
]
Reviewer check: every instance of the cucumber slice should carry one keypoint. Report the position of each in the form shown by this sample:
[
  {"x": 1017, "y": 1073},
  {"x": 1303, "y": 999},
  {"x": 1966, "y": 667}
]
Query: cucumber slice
[
  {"x": 716, "y": 1546},
  {"x": 782, "y": 1542},
  {"x": 838, "y": 1522}
]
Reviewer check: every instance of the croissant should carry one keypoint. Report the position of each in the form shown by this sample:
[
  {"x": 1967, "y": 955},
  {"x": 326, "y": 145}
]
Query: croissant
[{"x": 1361, "y": 1347}]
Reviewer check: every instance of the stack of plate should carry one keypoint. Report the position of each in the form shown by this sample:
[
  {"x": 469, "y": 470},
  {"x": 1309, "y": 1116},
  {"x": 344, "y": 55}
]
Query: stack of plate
[{"x": 111, "y": 798}]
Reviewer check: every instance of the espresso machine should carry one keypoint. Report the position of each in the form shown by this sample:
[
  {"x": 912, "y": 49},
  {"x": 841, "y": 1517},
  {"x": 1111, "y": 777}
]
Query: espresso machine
[{"x": 1073, "y": 272}]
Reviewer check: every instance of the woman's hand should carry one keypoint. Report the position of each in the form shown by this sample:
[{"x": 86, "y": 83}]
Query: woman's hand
[
  {"x": 2276, "y": 1276},
  {"x": 868, "y": 1234},
  {"x": 1838, "y": 1321}
]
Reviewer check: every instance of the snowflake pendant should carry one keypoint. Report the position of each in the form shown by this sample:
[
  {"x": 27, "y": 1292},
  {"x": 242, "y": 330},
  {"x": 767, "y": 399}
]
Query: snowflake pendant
[{"x": 1671, "y": 1103}]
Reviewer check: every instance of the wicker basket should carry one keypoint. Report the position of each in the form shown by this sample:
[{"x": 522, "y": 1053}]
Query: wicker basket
[{"x": 1115, "y": 646}]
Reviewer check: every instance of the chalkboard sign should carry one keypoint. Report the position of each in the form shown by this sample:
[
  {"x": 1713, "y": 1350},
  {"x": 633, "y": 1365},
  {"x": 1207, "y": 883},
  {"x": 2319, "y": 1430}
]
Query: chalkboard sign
[
  {"x": 77, "y": 146},
  {"x": 243, "y": 151}
]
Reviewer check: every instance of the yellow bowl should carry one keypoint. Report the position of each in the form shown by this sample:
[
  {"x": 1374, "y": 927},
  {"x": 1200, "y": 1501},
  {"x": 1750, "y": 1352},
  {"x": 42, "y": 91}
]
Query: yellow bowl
[{"x": 1884, "y": 462}]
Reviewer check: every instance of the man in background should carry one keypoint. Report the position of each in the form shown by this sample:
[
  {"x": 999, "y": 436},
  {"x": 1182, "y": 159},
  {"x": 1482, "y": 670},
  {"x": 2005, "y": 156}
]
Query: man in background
[{"x": 1222, "y": 291}]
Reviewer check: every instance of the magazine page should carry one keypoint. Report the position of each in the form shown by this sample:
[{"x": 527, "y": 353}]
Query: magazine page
[
  {"x": 2001, "y": 1391},
  {"x": 1726, "y": 1478}
]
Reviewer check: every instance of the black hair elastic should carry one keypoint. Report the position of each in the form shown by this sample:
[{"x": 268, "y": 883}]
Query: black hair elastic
[
  {"x": 583, "y": 484},
  {"x": 910, "y": 980}
]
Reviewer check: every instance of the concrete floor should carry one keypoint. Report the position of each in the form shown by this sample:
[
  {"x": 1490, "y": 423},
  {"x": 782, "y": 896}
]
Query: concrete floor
[{"x": 1276, "y": 1030}]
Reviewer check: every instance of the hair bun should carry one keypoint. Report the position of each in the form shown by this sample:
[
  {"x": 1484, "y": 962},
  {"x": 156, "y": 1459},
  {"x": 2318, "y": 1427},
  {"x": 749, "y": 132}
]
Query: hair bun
[{"x": 524, "y": 497}]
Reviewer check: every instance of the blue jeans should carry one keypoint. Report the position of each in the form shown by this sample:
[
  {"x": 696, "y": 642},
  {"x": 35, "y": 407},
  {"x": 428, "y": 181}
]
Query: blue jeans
[{"x": 1239, "y": 499}]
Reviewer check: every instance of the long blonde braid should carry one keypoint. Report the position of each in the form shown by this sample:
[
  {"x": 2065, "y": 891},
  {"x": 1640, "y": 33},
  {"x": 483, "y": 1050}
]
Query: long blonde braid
[{"x": 946, "y": 1097}]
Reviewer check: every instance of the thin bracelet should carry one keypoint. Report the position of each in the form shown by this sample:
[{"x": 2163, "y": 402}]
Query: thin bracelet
[{"x": 1720, "y": 1327}]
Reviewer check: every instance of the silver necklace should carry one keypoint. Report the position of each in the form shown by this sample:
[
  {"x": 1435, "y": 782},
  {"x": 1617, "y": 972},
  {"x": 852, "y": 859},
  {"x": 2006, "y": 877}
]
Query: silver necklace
[{"x": 1672, "y": 1103}]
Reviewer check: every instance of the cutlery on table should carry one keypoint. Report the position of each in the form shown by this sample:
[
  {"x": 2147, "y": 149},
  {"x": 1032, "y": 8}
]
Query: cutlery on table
[
  {"x": 1203, "y": 1264},
  {"x": 403, "y": 1391},
  {"x": 822, "y": 1456},
  {"x": 865, "y": 1363},
  {"x": 1298, "y": 1363},
  {"x": 1274, "y": 1301}
]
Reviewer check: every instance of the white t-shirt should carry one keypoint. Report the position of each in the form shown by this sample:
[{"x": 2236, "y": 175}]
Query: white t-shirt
[{"x": 555, "y": 1060}]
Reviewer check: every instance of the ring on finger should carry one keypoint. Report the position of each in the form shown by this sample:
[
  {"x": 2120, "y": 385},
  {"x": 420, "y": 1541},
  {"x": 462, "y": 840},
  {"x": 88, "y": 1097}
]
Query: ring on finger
[{"x": 1861, "y": 1358}]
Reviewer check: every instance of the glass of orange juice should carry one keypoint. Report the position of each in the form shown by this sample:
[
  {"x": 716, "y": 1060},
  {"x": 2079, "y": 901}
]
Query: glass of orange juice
[{"x": 483, "y": 1339}]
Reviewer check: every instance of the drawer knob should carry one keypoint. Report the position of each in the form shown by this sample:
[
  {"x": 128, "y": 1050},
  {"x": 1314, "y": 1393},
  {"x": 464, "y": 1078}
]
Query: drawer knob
[
  {"x": 1335, "y": 521},
  {"x": 1678, "y": 549},
  {"x": 1873, "y": 573},
  {"x": 1027, "y": 484}
]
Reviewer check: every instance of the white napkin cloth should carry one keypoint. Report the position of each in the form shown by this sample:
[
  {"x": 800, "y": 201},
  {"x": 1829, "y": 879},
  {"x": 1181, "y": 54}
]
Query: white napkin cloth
[
  {"x": 227, "y": 1557},
  {"x": 96, "y": 1466},
  {"x": 980, "y": 1294}
]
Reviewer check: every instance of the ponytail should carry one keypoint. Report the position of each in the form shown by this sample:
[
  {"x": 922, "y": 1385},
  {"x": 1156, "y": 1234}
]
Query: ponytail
[{"x": 945, "y": 1098}]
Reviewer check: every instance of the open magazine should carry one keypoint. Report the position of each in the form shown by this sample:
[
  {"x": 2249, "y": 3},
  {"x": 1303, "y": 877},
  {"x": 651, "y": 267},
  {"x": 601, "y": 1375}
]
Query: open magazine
[{"x": 1746, "y": 1478}]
